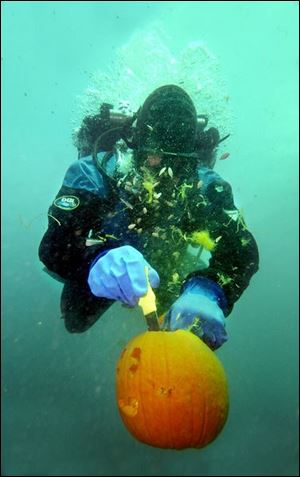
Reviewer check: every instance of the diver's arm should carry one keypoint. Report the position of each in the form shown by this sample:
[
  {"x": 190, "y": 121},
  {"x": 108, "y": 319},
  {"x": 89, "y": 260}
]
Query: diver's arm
[
  {"x": 235, "y": 257},
  {"x": 64, "y": 249}
]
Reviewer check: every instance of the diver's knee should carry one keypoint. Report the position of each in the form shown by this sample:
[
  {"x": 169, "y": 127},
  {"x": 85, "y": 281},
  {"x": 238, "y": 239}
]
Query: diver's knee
[
  {"x": 75, "y": 327},
  {"x": 80, "y": 323}
]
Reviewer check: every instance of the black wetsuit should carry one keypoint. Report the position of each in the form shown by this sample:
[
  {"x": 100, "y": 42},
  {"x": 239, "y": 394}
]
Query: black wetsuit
[{"x": 90, "y": 215}]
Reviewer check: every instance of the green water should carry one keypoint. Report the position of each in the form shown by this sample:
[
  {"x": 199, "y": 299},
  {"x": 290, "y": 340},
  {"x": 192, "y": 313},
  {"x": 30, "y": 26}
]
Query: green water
[{"x": 59, "y": 415}]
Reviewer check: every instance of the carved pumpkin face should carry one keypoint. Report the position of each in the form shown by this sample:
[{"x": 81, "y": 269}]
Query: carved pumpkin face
[{"x": 171, "y": 390}]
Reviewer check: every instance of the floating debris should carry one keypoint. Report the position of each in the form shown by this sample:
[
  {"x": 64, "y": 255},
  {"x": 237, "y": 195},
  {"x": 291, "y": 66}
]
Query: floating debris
[
  {"x": 131, "y": 226},
  {"x": 162, "y": 171},
  {"x": 202, "y": 237},
  {"x": 245, "y": 242},
  {"x": 223, "y": 279},
  {"x": 170, "y": 172},
  {"x": 224, "y": 156},
  {"x": 127, "y": 204}
]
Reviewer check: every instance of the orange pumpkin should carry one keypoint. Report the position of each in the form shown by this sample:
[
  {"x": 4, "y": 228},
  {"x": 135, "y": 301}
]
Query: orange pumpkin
[{"x": 171, "y": 390}]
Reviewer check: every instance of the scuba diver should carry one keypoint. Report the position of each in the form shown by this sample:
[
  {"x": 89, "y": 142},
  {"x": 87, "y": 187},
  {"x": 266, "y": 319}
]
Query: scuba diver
[{"x": 142, "y": 193}]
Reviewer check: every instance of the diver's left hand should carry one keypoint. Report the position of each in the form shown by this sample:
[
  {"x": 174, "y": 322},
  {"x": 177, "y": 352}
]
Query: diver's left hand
[{"x": 201, "y": 314}]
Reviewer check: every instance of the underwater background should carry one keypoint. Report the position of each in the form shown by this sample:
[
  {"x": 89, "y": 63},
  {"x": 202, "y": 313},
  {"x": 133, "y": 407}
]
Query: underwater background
[{"x": 239, "y": 62}]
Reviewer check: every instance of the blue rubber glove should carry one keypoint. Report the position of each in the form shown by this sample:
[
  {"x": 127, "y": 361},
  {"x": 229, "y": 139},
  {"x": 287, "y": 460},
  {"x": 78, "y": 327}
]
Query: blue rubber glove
[
  {"x": 199, "y": 309},
  {"x": 120, "y": 275}
]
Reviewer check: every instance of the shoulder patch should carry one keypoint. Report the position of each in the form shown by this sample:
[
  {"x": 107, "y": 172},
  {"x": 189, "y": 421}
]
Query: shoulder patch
[{"x": 67, "y": 202}]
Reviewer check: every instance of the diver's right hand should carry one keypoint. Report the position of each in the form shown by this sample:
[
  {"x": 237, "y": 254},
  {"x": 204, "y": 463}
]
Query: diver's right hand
[{"x": 120, "y": 275}]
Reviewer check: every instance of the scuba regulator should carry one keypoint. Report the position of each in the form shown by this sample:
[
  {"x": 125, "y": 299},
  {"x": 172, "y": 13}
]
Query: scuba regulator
[{"x": 101, "y": 131}]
